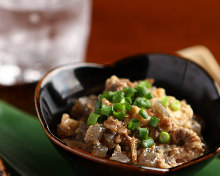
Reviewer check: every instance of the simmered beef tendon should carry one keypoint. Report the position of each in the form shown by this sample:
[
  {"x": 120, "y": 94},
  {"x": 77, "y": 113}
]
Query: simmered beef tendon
[
  {"x": 133, "y": 144},
  {"x": 117, "y": 126},
  {"x": 114, "y": 83},
  {"x": 196, "y": 127},
  {"x": 165, "y": 120},
  {"x": 188, "y": 145},
  {"x": 111, "y": 137},
  {"x": 106, "y": 102},
  {"x": 81, "y": 130},
  {"x": 94, "y": 132},
  {"x": 67, "y": 126},
  {"x": 84, "y": 106},
  {"x": 183, "y": 117},
  {"x": 119, "y": 156},
  {"x": 113, "y": 124},
  {"x": 99, "y": 149},
  {"x": 148, "y": 159}
]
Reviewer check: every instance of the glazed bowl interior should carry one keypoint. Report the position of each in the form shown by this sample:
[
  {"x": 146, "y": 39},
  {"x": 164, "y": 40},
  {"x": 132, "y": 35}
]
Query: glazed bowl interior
[{"x": 59, "y": 89}]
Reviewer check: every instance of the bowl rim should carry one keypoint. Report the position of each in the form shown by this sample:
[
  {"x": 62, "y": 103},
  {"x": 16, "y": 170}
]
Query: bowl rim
[
  {"x": 3, "y": 169},
  {"x": 87, "y": 155}
]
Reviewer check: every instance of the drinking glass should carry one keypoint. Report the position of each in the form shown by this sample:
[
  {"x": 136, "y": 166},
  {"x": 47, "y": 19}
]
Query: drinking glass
[{"x": 36, "y": 35}]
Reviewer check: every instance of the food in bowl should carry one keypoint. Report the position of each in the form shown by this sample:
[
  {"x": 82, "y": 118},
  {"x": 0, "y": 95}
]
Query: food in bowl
[{"x": 136, "y": 123}]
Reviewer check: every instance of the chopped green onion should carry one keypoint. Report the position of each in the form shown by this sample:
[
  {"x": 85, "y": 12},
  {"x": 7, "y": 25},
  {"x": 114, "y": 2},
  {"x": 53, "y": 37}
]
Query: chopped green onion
[
  {"x": 140, "y": 102},
  {"x": 133, "y": 124},
  {"x": 122, "y": 101},
  {"x": 118, "y": 107},
  {"x": 149, "y": 95},
  {"x": 164, "y": 137},
  {"x": 101, "y": 97},
  {"x": 143, "y": 114},
  {"x": 165, "y": 100},
  {"x": 129, "y": 91},
  {"x": 97, "y": 110},
  {"x": 98, "y": 106},
  {"x": 117, "y": 97},
  {"x": 175, "y": 105},
  {"x": 142, "y": 91},
  {"x": 153, "y": 121},
  {"x": 127, "y": 99},
  {"x": 102, "y": 118},
  {"x": 108, "y": 95},
  {"x": 119, "y": 115},
  {"x": 119, "y": 111},
  {"x": 142, "y": 133},
  {"x": 105, "y": 95},
  {"x": 145, "y": 83},
  {"x": 106, "y": 110},
  {"x": 137, "y": 100},
  {"x": 125, "y": 89},
  {"x": 128, "y": 106},
  {"x": 93, "y": 118},
  {"x": 148, "y": 104},
  {"x": 147, "y": 143}
]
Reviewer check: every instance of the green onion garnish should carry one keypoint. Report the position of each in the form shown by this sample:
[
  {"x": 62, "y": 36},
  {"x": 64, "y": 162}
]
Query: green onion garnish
[
  {"x": 142, "y": 133},
  {"x": 133, "y": 124},
  {"x": 145, "y": 83},
  {"x": 129, "y": 91},
  {"x": 98, "y": 106},
  {"x": 108, "y": 95},
  {"x": 106, "y": 110},
  {"x": 147, "y": 143},
  {"x": 128, "y": 106},
  {"x": 102, "y": 118},
  {"x": 101, "y": 97},
  {"x": 148, "y": 104},
  {"x": 149, "y": 95},
  {"x": 165, "y": 100},
  {"x": 117, "y": 97},
  {"x": 119, "y": 111},
  {"x": 119, "y": 115},
  {"x": 142, "y": 91},
  {"x": 118, "y": 107},
  {"x": 128, "y": 100},
  {"x": 125, "y": 89},
  {"x": 153, "y": 121},
  {"x": 93, "y": 118},
  {"x": 164, "y": 137},
  {"x": 140, "y": 102},
  {"x": 97, "y": 110},
  {"x": 175, "y": 105},
  {"x": 122, "y": 101},
  {"x": 143, "y": 114}
]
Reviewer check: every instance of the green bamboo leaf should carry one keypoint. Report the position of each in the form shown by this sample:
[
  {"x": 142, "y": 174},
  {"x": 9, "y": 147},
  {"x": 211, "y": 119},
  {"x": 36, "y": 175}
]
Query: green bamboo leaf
[{"x": 25, "y": 147}]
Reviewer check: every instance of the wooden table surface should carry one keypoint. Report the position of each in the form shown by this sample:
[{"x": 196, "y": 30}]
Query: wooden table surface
[{"x": 123, "y": 27}]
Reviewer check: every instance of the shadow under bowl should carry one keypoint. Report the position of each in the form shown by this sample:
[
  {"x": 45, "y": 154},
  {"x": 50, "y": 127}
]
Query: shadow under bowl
[{"x": 60, "y": 88}]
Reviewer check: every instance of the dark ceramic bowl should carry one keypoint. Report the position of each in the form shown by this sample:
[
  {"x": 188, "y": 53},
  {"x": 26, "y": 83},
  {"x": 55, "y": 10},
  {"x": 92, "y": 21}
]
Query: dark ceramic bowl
[{"x": 57, "y": 91}]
